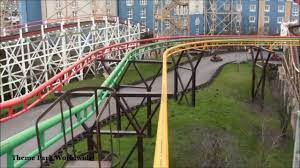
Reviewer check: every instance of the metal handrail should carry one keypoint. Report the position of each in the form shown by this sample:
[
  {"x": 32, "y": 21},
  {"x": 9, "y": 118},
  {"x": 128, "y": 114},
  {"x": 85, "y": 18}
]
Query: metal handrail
[{"x": 40, "y": 135}]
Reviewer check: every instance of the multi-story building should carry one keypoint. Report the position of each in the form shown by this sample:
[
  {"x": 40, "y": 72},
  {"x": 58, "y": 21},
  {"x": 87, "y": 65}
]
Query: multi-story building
[
  {"x": 204, "y": 16},
  {"x": 33, "y": 10},
  {"x": 77, "y": 8},
  {"x": 222, "y": 16},
  {"x": 140, "y": 11},
  {"x": 249, "y": 20},
  {"x": 30, "y": 10},
  {"x": 272, "y": 13}
]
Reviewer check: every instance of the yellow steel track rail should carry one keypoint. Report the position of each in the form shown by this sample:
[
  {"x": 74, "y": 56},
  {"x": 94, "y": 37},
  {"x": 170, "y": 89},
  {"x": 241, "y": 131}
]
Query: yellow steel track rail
[{"x": 161, "y": 156}]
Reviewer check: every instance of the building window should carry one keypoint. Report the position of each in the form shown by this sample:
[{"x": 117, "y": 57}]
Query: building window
[
  {"x": 108, "y": 2},
  {"x": 252, "y": 19},
  {"x": 184, "y": 22},
  {"x": 156, "y": 26},
  {"x": 252, "y": 8},
  {"x": 252, "y": 29},
  {"x": 185, "y": 10},
  {"x": 129, "y": 2},
  {"x": 143, "y": 22},
  {"x": 239, "y": 7},
  {"x": 267, "y": 8},
  {"x": 129, "y": 12},
  {"x": 267, "y": 19},
  {"x": 58, "y": 4},
  {"x": 294, "y": 20},
  {"x": 143, "y": 2},
  {"x": 197, "y": 21},
  {"x": 280, "y": 9},
  {"x": 277, "y": 30},
  {"x": 74, "y": 4},
  {"x": 167, "y": 24},
  {"x": 267, "y": 29},
  {"x": 226, "y": 6},
  {"x": 197, "y": 30},
  {"x": 295, "y": 11},
  {"x": 74, "y": 13},
  {"x": 108, "y": 12},
  {"x": 279, "y": 19},
  {"x": 143, "y": 13},
  {"x": 59, "y": 14}
]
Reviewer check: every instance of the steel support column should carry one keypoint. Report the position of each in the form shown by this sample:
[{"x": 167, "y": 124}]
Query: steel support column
[
  {"x": 191, "y": 84},
  {"x": 149, "y": 103},
  {"x": 260, "y": 86},
  {"x": 119, "y": 124},
  {"x": 140, "y": 152}
]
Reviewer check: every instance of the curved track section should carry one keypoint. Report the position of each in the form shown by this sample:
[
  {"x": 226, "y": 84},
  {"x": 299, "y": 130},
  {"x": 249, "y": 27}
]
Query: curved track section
[
  {"x": 161, "y": 158},
  {"x": 86, "y": 109}
]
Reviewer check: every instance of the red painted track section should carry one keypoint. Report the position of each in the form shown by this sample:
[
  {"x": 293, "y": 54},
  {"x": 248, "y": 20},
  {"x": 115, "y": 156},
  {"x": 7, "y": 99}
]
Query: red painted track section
[{"x": 56, "y": 82}]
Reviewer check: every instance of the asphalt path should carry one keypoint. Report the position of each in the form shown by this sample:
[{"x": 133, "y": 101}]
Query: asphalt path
[{"x": 205, "y": 71}]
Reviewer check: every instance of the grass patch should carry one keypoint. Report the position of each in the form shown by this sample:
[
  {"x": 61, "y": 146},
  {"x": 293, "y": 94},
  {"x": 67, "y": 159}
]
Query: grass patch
[{"x": 223, "y": 129}]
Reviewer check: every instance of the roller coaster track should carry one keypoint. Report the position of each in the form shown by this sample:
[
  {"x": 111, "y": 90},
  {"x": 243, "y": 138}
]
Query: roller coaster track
[
  {"x": 161, "y": 158},
  {"x": 32, "y": 98},
  {"x": 86, "y": 109}
]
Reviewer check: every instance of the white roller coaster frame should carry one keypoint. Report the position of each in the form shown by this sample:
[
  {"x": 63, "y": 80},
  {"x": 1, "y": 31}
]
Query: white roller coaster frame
[{"x": 30, "y": 61}]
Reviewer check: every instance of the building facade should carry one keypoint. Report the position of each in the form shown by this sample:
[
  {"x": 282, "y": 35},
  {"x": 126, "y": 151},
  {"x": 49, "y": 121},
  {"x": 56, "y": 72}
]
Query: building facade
[
  {"x": 76, "y": 8},
  {"x": 137, "y": 11},
  {"x": 34, "y": 10},
  {"x": 29, "y": 10},
  {"x": 222, "y": 16},
  {"x": 204, "y": 16}
]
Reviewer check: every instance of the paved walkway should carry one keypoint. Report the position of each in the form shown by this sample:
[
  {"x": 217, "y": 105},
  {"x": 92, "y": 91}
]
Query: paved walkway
[{"x": 205, "y": 70}]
